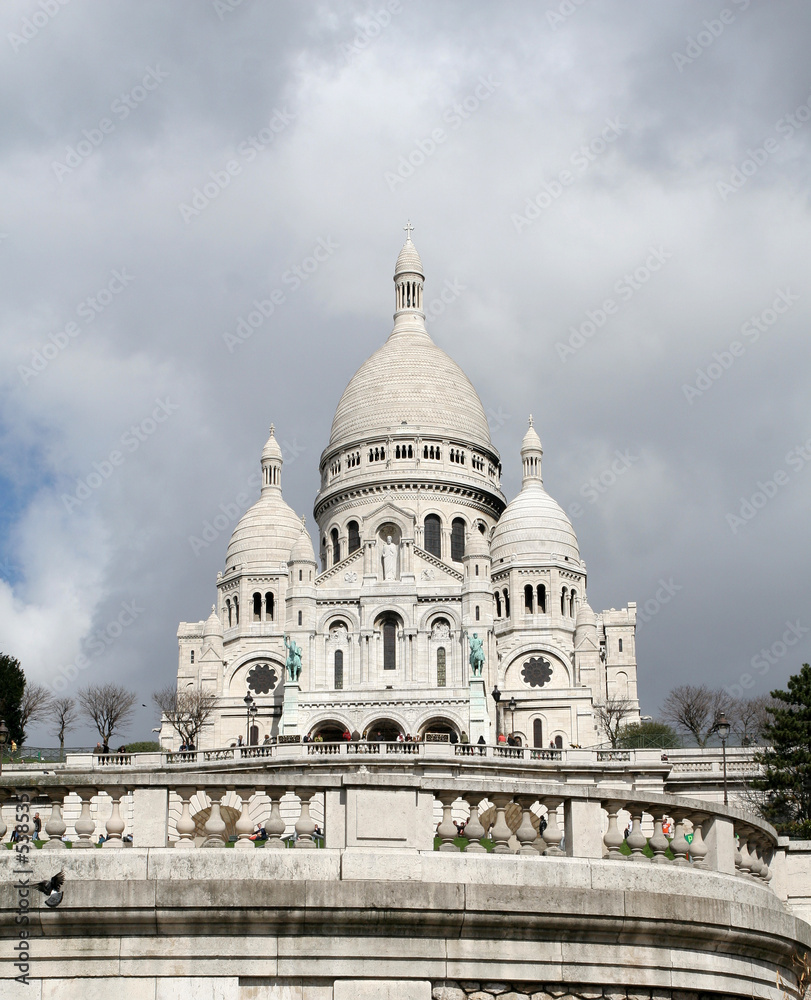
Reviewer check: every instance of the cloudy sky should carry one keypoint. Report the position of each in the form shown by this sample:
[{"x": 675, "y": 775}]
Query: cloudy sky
[{"x": 612, "y": 196}]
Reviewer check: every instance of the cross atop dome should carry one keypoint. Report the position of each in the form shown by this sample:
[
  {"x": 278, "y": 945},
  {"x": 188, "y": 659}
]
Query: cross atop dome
[{"x": 409, "y": 229}]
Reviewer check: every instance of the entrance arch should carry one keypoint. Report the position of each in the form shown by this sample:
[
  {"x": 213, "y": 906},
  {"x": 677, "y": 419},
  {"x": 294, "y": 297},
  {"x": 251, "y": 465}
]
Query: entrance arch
[
  {"x": 439, "y": 726},
  {"x": 330, "y": 731},
  {"x": 385, "y": 730}
]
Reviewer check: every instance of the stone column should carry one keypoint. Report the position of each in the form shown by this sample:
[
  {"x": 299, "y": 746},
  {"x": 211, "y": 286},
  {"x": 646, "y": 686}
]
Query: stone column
[
  {"x": 474, "y": 831},
  {"x": 553, "y": 833},
  {"x": 446, "y": 830},
  {"x": 658, "y": 842},
  {"x": 85, "y": 825},
  {"x": 678, "y": 845},
  {"x": 479, "y": 721},
  {"x": 613, "y": 838},
  {"x": 305, "y": 826},
  {"x": 289, "y": 723},
  {"x": 185, "y": 824},
  {"x": 637, "y": 840},
  {"x": 584, "y": 828},
  {"x": 115, "y": 824},
  {"x": 719, "y": 836},
  {"x": 244, "y": 825},
  {"x": 215, "y": 824},
  {"x": 698, "y": 849},
  {"x": 55, "y": 827},
  {"x": 274, "y": 827},
  {"x": 501, "y": 832},
  {"x": 526, "y": 834}
]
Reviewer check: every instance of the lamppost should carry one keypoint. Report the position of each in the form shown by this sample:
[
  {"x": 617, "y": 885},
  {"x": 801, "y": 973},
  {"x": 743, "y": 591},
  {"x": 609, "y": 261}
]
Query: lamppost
[
  {"x": 254, "y": 711},
  {"x": 722, "y": 728},
  {"x": 511, "y": 707},
  {"x": 496, "y": 698},
  {"x": 3, "y": 741},
  {"x": 248, "y": 706}
]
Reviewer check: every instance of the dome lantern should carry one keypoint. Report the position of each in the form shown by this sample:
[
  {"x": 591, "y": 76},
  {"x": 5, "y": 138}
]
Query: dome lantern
[
  {"x": 408, "y": 285},
  {"x": 531, "y": 454},
  {"x": 272, "y": 463}
]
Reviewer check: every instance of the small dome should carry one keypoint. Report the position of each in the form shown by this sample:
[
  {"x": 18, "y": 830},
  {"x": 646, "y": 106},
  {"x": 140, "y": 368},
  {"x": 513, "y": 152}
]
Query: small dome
[
  {"x": 409, "y": 260},
  {"x": 476, "y": 543},
  {"x": 585, "y": 616},
  {"x": 213, "y": 625},
  {"x": 534, "y": 526},
  {"x": 272, "y": 449},
  {"x": 265, "y": 534},
  {"x": 531, "y": 440},
  {"x": 303, "y": 548}
]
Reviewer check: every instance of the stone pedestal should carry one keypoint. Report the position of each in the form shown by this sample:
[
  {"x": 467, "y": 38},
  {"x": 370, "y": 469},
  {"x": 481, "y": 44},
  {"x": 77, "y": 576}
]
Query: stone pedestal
[
  {"x": 479, "y": 720},
  {"x": 289, "y": 721}
]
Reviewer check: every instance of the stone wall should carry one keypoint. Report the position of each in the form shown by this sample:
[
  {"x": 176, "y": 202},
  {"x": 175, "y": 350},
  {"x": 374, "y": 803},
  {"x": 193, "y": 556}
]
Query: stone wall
[{"x": 483, "y": 990}]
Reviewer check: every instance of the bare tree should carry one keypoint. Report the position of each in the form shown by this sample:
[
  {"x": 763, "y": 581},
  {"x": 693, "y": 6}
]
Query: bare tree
[
  {"x": 108, "y": 706},
  {"x": 749, "y": 717},
  {"x": 63, "y": 714},
  {"x": 612, "y": 714},
  {"x": 186, "y": 711},
  {"x": 694, "y": 710},
  {"x": 35, "y": 703}
]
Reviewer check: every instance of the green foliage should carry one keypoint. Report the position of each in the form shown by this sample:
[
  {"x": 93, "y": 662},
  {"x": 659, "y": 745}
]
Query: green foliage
[
  {"x": 648, "y": 735},
  {"x": 786, "y": 760},
  {"x": 12, "y": 690},
  {"x": 145, "y": 746}
]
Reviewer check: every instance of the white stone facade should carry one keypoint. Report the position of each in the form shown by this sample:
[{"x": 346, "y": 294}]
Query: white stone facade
[{"x": 418, "y": 551}]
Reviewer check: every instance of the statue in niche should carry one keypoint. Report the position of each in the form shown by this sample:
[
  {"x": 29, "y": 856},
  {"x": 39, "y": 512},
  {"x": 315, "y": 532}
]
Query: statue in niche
[
  {"x": 293, "y": 663},
  {"x": 476, "y": 653},
  {"x": 389, "y": 559}
]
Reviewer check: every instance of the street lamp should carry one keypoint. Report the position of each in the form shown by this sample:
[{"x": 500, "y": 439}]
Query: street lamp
[
  {"x": 3, "y": 741},
  {"x": 496, "y": 694},
  {"x": 511, "y": 707},
  {"x": 248, "y": 706},
  {"x": 254, "y": 711},
  {"x": 722, "y": 728}
]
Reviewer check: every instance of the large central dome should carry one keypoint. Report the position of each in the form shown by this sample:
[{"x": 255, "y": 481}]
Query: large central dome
[{"x": 410, "y": 380}]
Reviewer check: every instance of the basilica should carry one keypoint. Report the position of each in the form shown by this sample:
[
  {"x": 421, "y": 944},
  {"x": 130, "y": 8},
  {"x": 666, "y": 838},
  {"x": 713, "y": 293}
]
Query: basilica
[{"x": 433, "y": 605}]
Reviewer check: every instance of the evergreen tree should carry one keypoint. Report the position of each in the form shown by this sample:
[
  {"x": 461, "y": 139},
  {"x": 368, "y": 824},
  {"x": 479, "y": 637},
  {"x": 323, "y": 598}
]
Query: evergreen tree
[
  {"x": 786, "y": 760},
  {"x": 12, "y": 692}
]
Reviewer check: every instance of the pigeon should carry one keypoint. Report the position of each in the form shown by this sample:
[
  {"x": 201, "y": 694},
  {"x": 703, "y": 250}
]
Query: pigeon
[{"x": 51, "y": 889}]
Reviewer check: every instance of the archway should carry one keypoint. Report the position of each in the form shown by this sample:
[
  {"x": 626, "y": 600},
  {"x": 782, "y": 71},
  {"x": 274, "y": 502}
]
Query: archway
[
  {"x": 439, "y": 727},
  {"x": 330, "y": 731},
  {"x": 385, "y": 730}
]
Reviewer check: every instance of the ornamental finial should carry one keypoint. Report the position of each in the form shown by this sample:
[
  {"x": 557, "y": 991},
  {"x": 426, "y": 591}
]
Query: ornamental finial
[
  {"x": 409, "y": 229},
  {"x": 530, "y": 420}
]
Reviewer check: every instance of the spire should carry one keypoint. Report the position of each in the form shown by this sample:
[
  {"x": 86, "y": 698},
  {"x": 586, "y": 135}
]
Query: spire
[
  {"x": 531, "y": 453},
  {"x": 272, "y": 463},
  {"x": 408, "y": 284}
]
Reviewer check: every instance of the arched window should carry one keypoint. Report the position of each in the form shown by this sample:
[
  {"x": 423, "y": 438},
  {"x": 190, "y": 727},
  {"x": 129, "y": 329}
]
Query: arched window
[
  {"x": 563, "y": 601},
  {"x": 528, "y": 598},
  {"x": 269, "y": 608},
  {"x": 537, "y": 733},
  {"x": 299, "y": 618},
  {"x": 572, "y": 601},
  {"x": 236, "y": 610},
  {"x": 389, "y": 645},
  {"x": 541, "y": 599},
  {"x": 192, "y": 654},
  {"x": 457, "y": 539},
  {"x": 257, "y": 607},
  {"x": 228, "y": 609},
  {"x": 506, "y": 602},
  {"x": 620, "y": 650},
  {"x": 498, "y": 604},
  {"x": 339, "y": 669},
  {"x": 477, "y": 612},
  {"x": 336, "y": 546},
  {"x": 354, "y": 536},
  {"x": 433, "y": 535},
  {"x": 559, "y": 742},
  {"x": 440, "y": 667}
]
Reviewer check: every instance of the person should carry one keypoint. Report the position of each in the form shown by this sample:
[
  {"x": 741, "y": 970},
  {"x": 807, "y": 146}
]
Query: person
[
  {"x": 240, "y": 741},
  {"x": 37, "y": 826},
  {"x": 552, "y": 745},
  {"x": 266, "y": 740},
  {"x": 182, "y": 748},
  {"x": 260, "y": 834},
  {"x": 306, "y": 738},
  {"x": 542, "y": 825},
  {"x": 400, "y": 738},
  {"x": 105, "y": 747},
  {"x": 628, "y": 831},
  {"x": 15, "y": 835},
  {"x": 502, "y": 738},
  {"x": 98, "y": 748},
  {"x": 191, "y": 747},
  {"x": 122, "y": 749},
  {"x": 464, "y": 737},
  {"x": 453, "y": 737},
  {"x": 346, "y": 735}
]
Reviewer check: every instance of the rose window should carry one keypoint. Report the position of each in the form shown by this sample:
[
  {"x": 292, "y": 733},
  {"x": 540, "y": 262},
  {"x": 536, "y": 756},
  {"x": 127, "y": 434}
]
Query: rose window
[
  {"x": 262, "y": 678},
  {"x": 537, "y": 671}
]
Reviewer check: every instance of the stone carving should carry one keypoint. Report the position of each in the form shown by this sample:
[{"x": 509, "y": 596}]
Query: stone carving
[
  {"x": 389, "y": 559},
  {"x": 427, "y": 574},
  {"x": 476, "y": 654},
  {"x": 537, "y": 671},
  {"x": 350, "y": 577},
  {"x": 262, "y": 678},
  {"x": 441, "y": 630},
  {"x": 338, "y": 633},
  {"x": 293, "y": 663}
]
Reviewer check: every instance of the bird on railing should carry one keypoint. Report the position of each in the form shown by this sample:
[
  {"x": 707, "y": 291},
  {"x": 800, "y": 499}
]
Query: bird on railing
[{"x": 51, "y": 889}]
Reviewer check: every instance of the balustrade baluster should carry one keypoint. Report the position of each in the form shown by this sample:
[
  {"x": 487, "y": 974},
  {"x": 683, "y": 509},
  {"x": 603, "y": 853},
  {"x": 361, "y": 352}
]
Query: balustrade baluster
[
  {"x": 698, "y": 849},
  {"x": 658, "y": 842},
  {"x": 636, "y": 839},
  {"x": 501, "y": 832},
  {"x": 613, "y": 839},
  {"x": 679, "y": 845},
  {"x": 3, "y": 798},
  {"x": 553, "y": 833},
  {"x": 305, "y": 825},
  {"x": 764, "y": 850},
  {"x": 244, "y": 825},
  {"x": 526, "y": 834},
  {"x": 755, "y": 864},
  {"x": 738, "y": 856},
  {"x": 215, "y": 825},
  {"x": 474, "y": 831},
  {"x": 85, "y": 825},
  {"x": 185, "y": 824},
  {"x": 446, "y": 830},
  {"x": 55, "y": 827},
  {"x": 274, "y": 827},
  {"x": 115, "y": 824}
]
